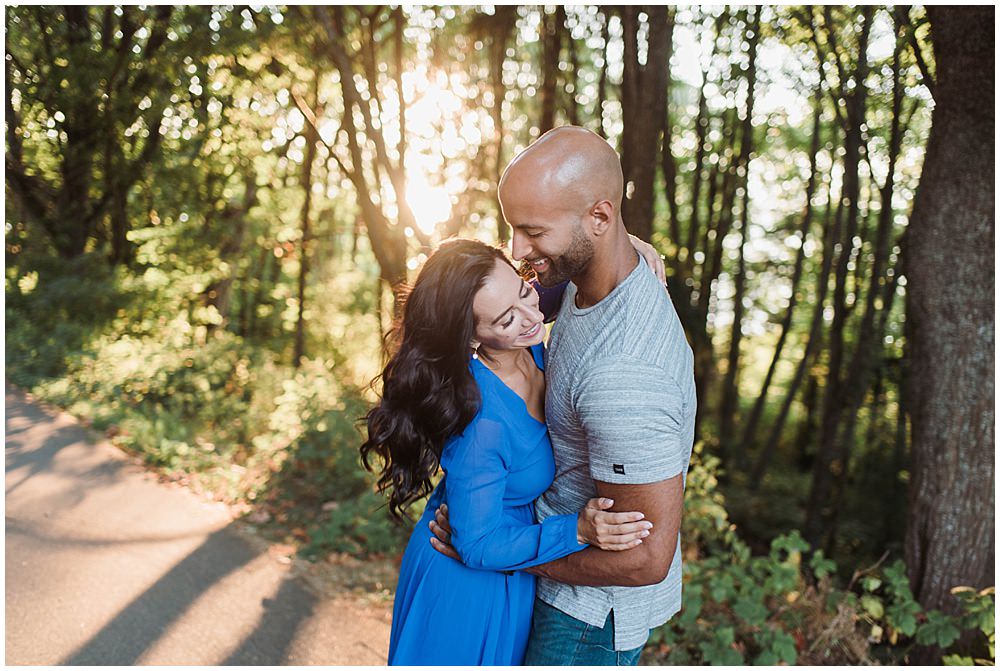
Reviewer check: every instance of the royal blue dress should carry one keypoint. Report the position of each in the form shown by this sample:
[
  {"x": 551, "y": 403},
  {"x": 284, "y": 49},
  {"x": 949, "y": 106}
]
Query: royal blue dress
[{"x": 478, "y": 611}]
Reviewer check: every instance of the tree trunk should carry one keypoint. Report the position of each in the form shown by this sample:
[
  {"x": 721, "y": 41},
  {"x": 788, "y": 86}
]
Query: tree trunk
[
  {"x": 502, "y": 25},
  {"x": 950, "y": 320},
  {"x": 786, "y": 323},
  {"x": 573, "y": 84},
  {"x": 701, "y": 131},
  {"x": 730, "y": 385},
  {"x": 830, "y": 459},
  {"x": 550, "y": 34},
  {"x": 831, "y": 233},
  {"x": 306, "y": 239},
  {"x": 644, "y": 100},
  {"x": 388, "y": 241},
  {"x": 602, "y": 80},
  {"x": 868, "y": 349}
]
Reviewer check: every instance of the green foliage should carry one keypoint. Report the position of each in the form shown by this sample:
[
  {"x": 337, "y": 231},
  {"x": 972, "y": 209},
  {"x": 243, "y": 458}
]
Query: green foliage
[
  {"x": 52, "y": 309},
  {"x": 357, "y": 526},
  {"x": 782, "y": 608},
  {"x": 151, "y": 364}
]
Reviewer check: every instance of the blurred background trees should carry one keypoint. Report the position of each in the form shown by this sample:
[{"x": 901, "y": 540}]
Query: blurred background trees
[{"x": 210, "y": 210}]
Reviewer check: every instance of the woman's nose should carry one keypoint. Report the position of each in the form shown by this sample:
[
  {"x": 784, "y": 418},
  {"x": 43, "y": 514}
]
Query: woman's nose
[{"x": 532, "y": 315}]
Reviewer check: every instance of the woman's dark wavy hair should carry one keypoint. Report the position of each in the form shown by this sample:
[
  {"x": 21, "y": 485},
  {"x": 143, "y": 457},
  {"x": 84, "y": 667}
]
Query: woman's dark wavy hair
[{"x": 428, "y": 392}]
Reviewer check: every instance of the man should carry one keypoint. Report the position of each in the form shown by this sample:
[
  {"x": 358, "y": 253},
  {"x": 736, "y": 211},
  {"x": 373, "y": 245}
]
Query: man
[{"x": 620, "y": 402}]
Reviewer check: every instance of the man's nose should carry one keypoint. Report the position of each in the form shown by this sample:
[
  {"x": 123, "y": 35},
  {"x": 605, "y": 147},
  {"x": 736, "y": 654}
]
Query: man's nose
[{"x": 519, "y": 246}]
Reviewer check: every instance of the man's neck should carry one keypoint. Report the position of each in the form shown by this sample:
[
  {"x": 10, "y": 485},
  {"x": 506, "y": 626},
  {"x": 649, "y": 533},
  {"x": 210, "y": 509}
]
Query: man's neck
[{"x": 605, "y": 271}]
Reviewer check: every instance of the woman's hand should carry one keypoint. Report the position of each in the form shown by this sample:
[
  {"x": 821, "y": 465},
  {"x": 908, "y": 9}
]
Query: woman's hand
[
  {"x": 652, "y": 257},
  {"x": 610, "y": 531}
]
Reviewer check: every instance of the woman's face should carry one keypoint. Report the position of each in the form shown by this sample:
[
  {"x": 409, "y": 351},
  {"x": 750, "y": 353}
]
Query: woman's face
[{"x": 506, "y": 310}]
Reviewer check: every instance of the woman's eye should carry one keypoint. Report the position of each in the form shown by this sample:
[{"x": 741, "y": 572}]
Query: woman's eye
[{"x": 509, "y": 322}]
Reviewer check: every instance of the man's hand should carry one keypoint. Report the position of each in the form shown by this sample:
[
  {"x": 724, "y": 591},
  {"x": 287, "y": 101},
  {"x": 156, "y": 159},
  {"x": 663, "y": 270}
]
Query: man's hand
[{"x": 442, "y": 533}]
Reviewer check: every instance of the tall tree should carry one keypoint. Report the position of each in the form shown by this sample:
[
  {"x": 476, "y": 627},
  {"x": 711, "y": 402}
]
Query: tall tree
[
  {"x": 868, "y": 350},
  {"x": 730, "y": 384},
  {"x": 305, "y": 233},
  {"x": 644, "y": 100},
  {"x": 750, "y": 428},
  {"x": 497, "y": 28},
  {"x": 950, "y": 271},
  {"x": 102, "y": 78},
  {"x": 347, "y": 44},
  {"x": 551, "y": 28},
  {"x": 851, "y": 92}
]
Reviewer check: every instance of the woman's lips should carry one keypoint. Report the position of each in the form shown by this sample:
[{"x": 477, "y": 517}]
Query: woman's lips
[{"x": 532, "y": 331}]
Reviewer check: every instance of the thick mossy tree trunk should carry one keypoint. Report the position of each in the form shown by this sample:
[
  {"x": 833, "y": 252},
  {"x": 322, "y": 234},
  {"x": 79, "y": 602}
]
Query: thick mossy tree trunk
[{"x": 950, "y": 320}]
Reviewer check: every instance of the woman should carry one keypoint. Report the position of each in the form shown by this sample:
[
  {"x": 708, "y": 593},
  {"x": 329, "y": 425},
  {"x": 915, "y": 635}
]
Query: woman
[{"x": 465, "y": 391}]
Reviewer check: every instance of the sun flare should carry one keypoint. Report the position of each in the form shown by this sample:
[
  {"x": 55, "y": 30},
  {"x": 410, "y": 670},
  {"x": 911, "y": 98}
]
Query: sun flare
[{"x": 440, "y": 127}]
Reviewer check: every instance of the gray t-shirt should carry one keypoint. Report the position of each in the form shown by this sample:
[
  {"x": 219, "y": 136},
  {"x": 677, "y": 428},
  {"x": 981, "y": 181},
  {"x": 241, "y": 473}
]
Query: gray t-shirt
[{"x": 620, "y": 406}]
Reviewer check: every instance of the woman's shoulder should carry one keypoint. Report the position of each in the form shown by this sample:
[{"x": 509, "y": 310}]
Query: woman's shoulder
[{"x": 486, "y": 433}]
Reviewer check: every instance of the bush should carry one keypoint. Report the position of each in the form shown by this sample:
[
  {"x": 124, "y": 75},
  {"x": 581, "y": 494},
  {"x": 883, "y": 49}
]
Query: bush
[
  {"x": 783, "y": 607},
  {"x": 138, "y": 354}
]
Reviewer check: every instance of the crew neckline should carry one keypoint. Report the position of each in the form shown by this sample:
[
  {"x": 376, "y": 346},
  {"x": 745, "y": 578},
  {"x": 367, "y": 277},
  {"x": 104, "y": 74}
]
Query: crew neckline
[{"x": 625, "y": 282}]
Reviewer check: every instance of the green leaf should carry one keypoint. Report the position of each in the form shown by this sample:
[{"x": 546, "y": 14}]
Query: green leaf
[
  {"x": 939, "y": 630},
  {"x": 957, "y": 660},
  {"x": 766, "y": 658},
  {"x": 821, "y": 566},
  {"x": 753, "y": 612},
  {"x": 873, "y": 606},
  {"x": 871, "y": 583},
  {"x": 722, "y": 589},
  {"x": 719, "y": 650}
]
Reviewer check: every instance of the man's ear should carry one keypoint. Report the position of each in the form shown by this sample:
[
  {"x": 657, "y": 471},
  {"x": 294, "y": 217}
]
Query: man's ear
[{"x": 602, "y": 216}]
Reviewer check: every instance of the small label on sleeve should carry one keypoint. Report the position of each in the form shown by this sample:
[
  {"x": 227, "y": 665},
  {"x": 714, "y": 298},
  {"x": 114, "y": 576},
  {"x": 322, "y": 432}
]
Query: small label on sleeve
[{"x": 619, "y": 469}]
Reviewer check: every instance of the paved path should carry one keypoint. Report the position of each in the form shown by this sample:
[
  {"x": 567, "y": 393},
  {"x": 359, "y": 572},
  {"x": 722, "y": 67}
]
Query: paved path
[{"x": 105, "y": 565}]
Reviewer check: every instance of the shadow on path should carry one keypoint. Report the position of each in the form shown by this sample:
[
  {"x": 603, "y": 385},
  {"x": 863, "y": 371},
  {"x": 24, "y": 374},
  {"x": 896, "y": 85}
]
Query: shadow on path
[
  {"x": 141, "y": 624},
  {"x": 269, "y": 642},
  {"x": 52, "y": 468}
]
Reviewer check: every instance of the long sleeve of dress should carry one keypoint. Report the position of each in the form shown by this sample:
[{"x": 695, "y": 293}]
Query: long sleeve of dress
[
  {"x": 476, "y": 464},
  {"x": 549, "y": 299}
]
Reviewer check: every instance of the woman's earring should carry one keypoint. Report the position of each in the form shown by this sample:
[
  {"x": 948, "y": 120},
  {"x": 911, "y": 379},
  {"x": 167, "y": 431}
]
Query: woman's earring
[{"x": 475, "y": 354}]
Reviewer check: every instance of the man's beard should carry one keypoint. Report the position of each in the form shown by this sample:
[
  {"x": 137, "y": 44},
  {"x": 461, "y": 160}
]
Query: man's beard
[{"x": 570, "y": 263}]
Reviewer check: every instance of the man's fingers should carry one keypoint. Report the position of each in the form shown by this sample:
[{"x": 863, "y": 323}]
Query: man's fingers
[
  {"x": 446, "y": 550},
  {"x": 442, "y": 520},
  {"x": 441, "y": 534}
]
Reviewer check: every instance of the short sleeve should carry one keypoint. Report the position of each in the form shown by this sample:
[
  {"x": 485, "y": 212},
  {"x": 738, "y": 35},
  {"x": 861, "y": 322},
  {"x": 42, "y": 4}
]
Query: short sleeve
[
  {"x": 632, "y": 413},
  {"x": 477, "y": 465}
]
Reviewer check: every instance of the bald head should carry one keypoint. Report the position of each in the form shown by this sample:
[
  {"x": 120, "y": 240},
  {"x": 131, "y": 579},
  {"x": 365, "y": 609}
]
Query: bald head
[{"x": 571, "y": 167}]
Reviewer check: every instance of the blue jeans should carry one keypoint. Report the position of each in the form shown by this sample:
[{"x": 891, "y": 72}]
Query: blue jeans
[{"x": 558, "y": 639}]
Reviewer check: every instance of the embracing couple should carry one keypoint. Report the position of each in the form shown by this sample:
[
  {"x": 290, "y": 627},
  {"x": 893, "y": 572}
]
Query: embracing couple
[{"x": 553, "y": 537}]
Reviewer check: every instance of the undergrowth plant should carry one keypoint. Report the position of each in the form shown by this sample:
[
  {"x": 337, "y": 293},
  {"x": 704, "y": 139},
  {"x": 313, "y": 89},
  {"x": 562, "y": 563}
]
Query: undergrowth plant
[{"x": 785, "y": 608}]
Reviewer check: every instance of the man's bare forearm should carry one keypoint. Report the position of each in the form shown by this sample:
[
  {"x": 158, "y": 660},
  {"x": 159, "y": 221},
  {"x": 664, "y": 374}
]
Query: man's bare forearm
[
  {"x": 647, "y": 564},
  {"x": 598, "y": 568}
]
